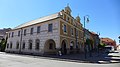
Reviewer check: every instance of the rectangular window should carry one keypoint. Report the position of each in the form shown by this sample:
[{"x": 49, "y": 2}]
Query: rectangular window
[
  {"x": 9, "y": 35},
  {"x": 10, "y": 45},
  {"x": 12, "y": 34},
  {"x": 31, "y": 31},
  {"x": 17, "y": 46},
  {"x": 77, "y": 33},
  {"x": 23, "y": 47},
  {"x": 38, "y": 29},
  {"x": 67, "y": 19},
  {"x": 50, "y": 28},
  {"x": 18, "y": 33},
  {"x": 24, "y": 32},
  {"x": 71, "y": 20},
  {"x": 71, "y": 31},
  {"x": 65, "y": 29}
]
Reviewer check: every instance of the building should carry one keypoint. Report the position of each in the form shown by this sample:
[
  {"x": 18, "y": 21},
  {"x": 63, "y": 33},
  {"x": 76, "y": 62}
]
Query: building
[
  {"x": 93, "y": 39},
  {"x": 48, "y": 35},
  {"x": 96, "y": 40},
  {"x": 109, "y": 42}
]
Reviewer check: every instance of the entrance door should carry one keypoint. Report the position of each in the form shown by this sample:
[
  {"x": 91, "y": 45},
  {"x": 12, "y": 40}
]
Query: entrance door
[{"x": 64, "y": 50}]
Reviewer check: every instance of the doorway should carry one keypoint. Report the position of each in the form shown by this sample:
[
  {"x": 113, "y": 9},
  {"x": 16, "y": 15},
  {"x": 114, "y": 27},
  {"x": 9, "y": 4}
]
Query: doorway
[{"x": 63, "y": 47}]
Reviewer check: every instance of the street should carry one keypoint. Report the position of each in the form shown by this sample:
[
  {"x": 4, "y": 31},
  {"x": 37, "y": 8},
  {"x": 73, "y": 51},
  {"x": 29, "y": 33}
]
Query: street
[{"x": 16, "y": 60}]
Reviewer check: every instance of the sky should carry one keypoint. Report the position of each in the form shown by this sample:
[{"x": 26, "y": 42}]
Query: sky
[{"x": 104, "y": 15}]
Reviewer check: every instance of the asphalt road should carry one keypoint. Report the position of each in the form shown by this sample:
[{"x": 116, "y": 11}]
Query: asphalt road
[{"x": 15, "y": 60}]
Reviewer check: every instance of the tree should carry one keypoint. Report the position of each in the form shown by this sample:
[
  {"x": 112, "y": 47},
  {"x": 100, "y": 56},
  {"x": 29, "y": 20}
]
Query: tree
[
  {"x": 101, "y": 45},
  {"x": 2, "y": 45},
  {"x": 89, "y": 42}
]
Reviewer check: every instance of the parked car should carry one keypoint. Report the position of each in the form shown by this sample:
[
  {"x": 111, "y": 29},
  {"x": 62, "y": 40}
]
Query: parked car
[{"x": 108, "y": 49}]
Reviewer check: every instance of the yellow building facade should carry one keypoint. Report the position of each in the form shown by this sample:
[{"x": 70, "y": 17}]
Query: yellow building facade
[{"x": 71, "y": 40}]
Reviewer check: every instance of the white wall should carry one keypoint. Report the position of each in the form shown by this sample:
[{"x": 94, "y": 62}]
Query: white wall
[{"x": 43, "y": 36}]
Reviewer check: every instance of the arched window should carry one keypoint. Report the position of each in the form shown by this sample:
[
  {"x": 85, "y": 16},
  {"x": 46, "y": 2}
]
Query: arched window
[
  {"x": 30, "y": 45},
  {"x": 23, "y": 46},
  {"x": 71, "y": 45},
  {"x": 17, "y": 45},
  {"x": 37, "y": 44}
]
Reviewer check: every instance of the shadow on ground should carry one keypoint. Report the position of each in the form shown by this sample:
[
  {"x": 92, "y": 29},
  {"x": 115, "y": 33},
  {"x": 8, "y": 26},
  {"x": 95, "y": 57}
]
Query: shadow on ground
[
  {"x": 99, "y": 58},
  {"x": 96, "y": 58}
]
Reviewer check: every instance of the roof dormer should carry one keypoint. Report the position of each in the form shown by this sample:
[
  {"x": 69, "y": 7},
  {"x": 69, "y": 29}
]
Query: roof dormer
[
  {"x": 68, "y": 10},
  {"x": 78, "y": 19}
]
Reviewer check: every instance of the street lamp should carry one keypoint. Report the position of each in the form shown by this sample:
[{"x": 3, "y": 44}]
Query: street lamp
[{"x": 86, "y": 19}]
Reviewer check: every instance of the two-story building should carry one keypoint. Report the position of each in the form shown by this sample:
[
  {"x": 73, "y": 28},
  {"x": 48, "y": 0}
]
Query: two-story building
[{"x": 48, "y": 35}]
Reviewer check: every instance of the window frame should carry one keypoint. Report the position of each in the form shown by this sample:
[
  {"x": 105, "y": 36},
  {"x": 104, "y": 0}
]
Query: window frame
[
  {"x": 18, "y": 33},
  {"x": 65, "y": 28},
  {"x": 12, "y": 34},
  {"x": 10, "y": 45},
  {"x": 30, "y": 45},
  {"x": 38, "y": 29},
  {"x": 31, "y": 31},
  {"x": 23, "y": 45},
  {"x": 25, "y": 32},
  {"x": 77, "y": 33},
  {"x": 50, "y": 27},
  {"x": 37, "y": 44},
  {"x": 9, "y": 35},
  {"x": 17, "y": 45},
  {"x": 72, "y": 32}
]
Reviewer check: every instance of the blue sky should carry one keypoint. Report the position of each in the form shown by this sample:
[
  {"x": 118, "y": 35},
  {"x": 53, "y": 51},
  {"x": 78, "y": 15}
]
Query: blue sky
[{"x": 104, "y": 14}]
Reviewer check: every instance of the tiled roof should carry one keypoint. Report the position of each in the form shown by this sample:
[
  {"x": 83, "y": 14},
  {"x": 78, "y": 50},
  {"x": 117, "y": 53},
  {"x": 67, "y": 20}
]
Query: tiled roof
[
  {"x": 39, "y": 20},
  {"x": 93, "y": 33},
  {"x": 107, "y": 40}
]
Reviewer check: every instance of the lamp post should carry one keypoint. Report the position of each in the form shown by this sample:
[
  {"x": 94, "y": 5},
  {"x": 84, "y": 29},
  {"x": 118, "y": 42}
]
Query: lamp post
[{"x": 86, "y": 19}]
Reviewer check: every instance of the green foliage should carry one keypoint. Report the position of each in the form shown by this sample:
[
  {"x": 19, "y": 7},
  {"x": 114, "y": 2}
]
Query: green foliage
[
  {"x": 101, "y": 45},
  {"x": 89, "y": 42},
  {"x": 2, "y": 45}
]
